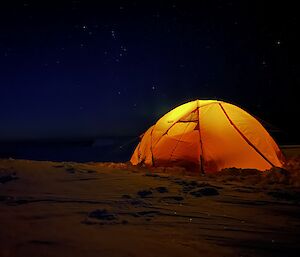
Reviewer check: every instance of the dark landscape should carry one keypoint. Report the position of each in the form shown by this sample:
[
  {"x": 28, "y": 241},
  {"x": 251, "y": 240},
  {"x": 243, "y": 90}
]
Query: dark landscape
[{"x": 87, "y": 209}]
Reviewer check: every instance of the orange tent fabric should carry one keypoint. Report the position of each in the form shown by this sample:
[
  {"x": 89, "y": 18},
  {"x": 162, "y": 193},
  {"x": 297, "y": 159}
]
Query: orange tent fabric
[{"x": 208, "y": 136}]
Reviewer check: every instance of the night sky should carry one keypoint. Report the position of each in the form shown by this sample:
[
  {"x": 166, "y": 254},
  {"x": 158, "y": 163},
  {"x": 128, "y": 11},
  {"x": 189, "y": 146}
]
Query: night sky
[{"x": 81, "y": 69}]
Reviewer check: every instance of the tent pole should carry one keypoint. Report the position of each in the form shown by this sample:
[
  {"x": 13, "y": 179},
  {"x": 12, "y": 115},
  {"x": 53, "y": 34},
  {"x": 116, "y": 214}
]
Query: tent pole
[{"x": 200, "y": 138}]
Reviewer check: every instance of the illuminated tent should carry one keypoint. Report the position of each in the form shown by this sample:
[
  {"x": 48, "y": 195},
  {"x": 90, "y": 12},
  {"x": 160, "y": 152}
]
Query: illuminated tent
[{"x": 208, "y": 136}]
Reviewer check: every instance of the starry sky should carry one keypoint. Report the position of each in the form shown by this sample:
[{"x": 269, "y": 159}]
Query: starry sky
[{"x": 82, "y": 69}]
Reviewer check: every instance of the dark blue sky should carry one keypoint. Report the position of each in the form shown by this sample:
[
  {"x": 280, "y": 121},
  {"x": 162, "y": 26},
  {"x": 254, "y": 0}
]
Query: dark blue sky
[{"x": 73, "y": 69}]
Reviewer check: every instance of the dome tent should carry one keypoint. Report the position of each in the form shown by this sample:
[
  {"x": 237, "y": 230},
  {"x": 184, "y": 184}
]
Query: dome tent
[{"x": 208, "y": 136}]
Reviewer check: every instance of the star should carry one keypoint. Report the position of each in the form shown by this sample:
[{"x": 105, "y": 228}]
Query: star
[
  {"x": 278, "y": 42},
  {"x": 123, "y": 48}
]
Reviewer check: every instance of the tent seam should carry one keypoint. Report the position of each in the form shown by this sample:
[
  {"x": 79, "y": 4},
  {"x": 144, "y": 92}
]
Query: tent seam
[
  {"x": 171, "y": 127},
  {"x": 179, "y": 140},
  {"x": 151, "y": 147},
  {"x": 245, "y": 138}
]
